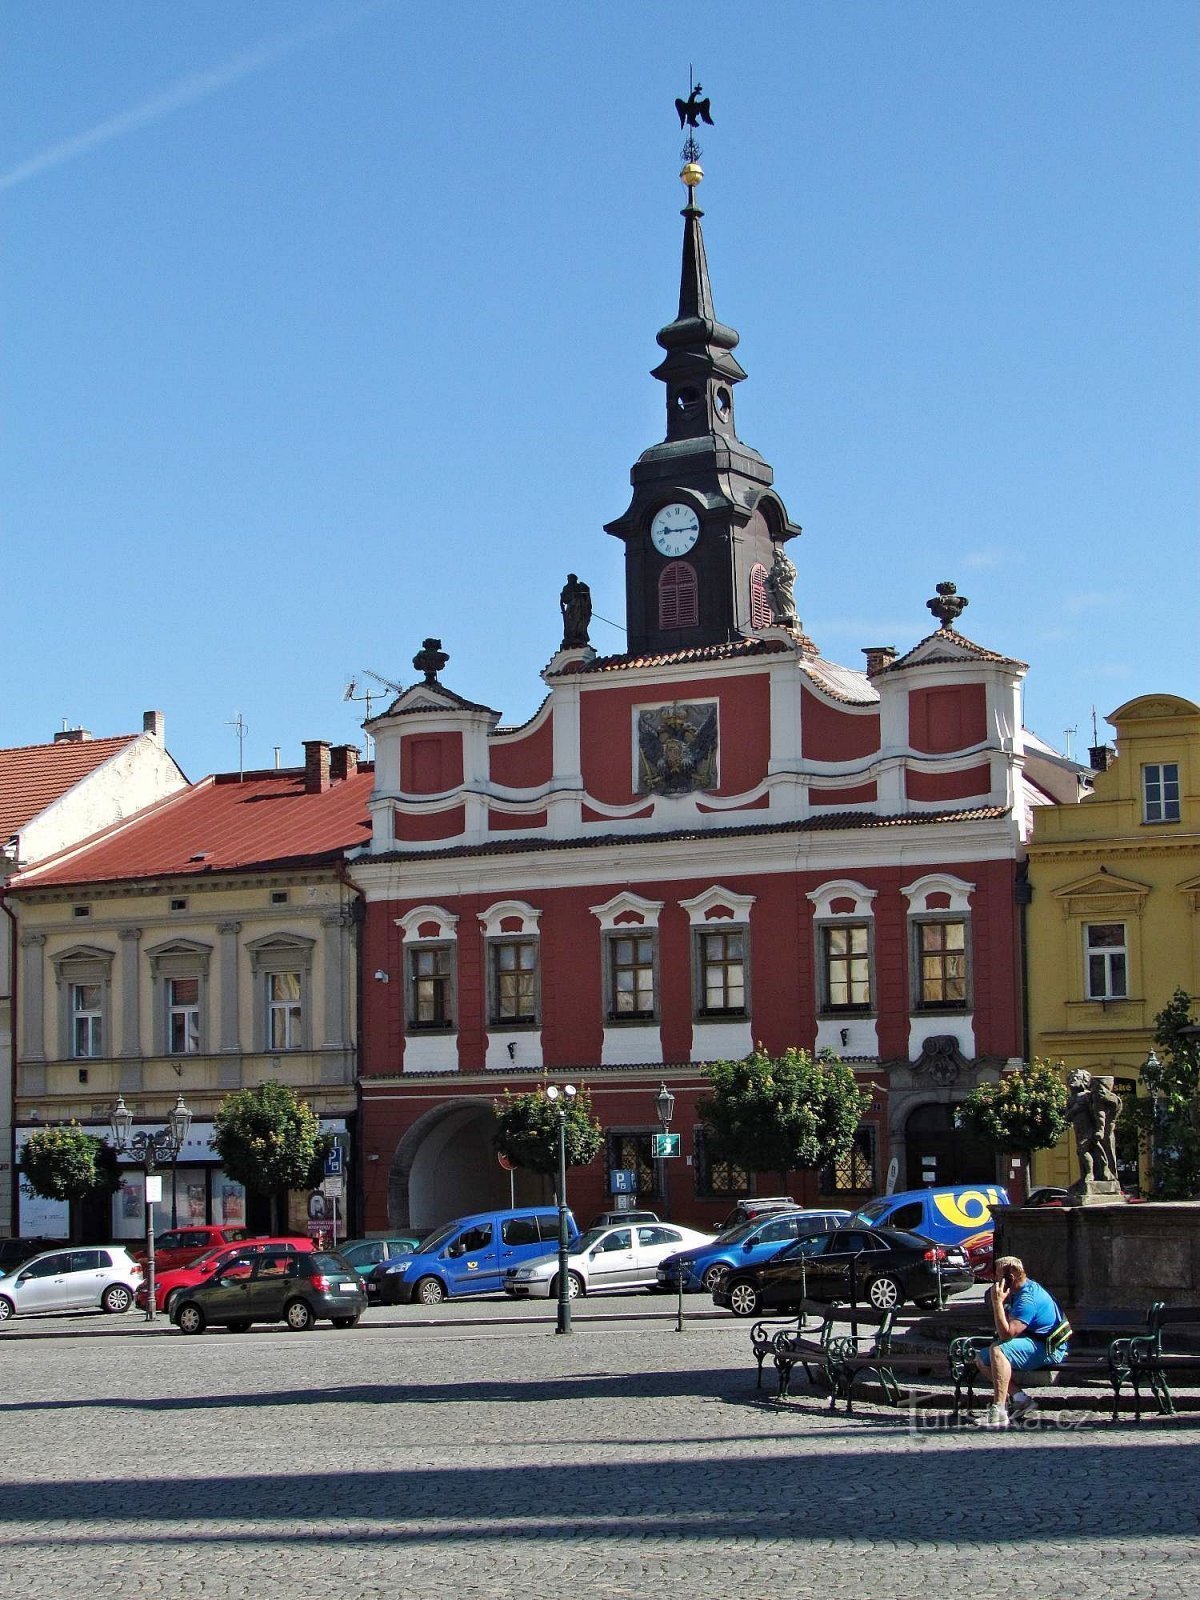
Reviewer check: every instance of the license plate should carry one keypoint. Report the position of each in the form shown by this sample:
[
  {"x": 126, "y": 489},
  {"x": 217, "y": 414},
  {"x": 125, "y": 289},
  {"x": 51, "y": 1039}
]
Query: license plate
[{"x": 346, "y": 1288}]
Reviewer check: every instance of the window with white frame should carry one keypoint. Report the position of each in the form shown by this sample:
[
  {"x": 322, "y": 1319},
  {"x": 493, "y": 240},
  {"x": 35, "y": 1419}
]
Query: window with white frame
[
  {"x": 510, "y": 929},
  {"x": 1160, "y": 792},
  {"x": 285, "y": 1011},
  {"x": 431, "y": 986},
  {"x": 179, "y": 969},
  {"x": 183, "y": 1016},
  {"x": 87, "y": 1020},
  {"x": 939, "y": 917},
  {"x": 1106, "y": 960},
  {"x": 282, "y": 966}
]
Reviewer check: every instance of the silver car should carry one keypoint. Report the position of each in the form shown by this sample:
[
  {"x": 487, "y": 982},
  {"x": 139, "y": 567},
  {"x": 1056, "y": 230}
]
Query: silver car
[
  {"x": 605, "y": 1259},
  {"x": 90, "y": 1278}
]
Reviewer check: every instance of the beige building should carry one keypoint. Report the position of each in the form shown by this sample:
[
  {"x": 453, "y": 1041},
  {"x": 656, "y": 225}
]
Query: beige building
[
  {"x": 204, "y": 946},
  {"x": 51, "y": 796}
]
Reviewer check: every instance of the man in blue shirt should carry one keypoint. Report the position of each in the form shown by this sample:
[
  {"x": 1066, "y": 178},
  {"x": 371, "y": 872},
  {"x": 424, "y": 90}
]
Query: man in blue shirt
[{"x": 1025, "y": 1316}]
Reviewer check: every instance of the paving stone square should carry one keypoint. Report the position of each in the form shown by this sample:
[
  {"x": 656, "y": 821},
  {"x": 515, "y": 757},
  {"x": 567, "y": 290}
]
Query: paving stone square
[{"x": 479, "y": 1455}]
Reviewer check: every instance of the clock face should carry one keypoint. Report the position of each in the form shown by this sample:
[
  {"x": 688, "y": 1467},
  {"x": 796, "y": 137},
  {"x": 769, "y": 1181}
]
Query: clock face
[{"x": 674, "y": 530}]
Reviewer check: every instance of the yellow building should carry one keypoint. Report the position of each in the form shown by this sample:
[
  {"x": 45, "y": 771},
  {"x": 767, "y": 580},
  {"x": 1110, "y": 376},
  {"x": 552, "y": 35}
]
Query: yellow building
[
  {"x": 206, "y": 945},
  {"x": 1114, "y": 923}
]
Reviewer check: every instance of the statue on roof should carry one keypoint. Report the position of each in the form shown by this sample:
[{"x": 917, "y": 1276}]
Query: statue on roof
[
  {"x": 575, "y": 603},
  {"x": 779, "y": 584}
]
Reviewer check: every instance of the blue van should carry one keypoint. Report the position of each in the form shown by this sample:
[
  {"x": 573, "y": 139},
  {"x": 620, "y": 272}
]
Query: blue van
[
  {"x": 961, "y": 1215},
  {"x": 471, "y": 1255}
]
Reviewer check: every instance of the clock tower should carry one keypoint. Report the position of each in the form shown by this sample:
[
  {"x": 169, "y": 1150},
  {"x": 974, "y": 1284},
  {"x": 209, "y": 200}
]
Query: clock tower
[{"x": 704, "y": 524}]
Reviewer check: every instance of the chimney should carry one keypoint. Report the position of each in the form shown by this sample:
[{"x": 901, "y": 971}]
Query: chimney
[
  {"x": 72, "y": 736},
  {"x": 154, "y": 723},
  {"x": 1101, "y": 757},
  {"x": 878, "y": 656},
  {"x": 316, "y": 766},
  {"x": 343, "y": 761}
]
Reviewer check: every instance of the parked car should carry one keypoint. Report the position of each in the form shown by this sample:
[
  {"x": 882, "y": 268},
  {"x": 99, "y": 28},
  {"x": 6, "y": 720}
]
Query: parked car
[
  {"x": 880, "y": 1267},
  {"x": 471, "y": 1255},
  {"x": 757, "y": 1205},
  {"x": 365, "y": 1255},
  {"x": 180, "y": 1246},
  {"x": 168, "y": 1285},
  {"x": 959, "y": 1215},
  {"x": 613, "y": 1219},
  {"x": 15, "y": 1252},
  {"x": 605, "y": 1259},
  {"x": 88, "y": 1279},
  {"x": 289, "y": 1286},
  {"x": 744, "y": 1245}
]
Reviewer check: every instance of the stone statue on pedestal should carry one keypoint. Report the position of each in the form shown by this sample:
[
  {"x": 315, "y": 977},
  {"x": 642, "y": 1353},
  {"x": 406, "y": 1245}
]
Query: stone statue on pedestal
[{"x": 1092, "y": 1111}]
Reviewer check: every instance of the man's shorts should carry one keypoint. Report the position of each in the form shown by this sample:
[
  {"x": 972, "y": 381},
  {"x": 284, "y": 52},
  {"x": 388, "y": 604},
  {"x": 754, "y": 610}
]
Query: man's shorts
[{"x": 1024, "y": 1354}]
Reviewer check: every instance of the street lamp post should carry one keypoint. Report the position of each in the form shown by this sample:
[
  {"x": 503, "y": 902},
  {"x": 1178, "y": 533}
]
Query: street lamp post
[
  {"x": 561, "y": 1099},
  {"x": 150, "y": 1150},
  {"x": 664, "y": 1104}
]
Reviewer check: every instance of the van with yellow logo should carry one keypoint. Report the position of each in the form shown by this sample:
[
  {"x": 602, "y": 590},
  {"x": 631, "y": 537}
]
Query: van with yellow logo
[{"x": 961, "y": 1216}]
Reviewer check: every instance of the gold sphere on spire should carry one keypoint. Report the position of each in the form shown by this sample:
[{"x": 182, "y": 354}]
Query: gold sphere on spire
[{"x": 692, "y": 173}]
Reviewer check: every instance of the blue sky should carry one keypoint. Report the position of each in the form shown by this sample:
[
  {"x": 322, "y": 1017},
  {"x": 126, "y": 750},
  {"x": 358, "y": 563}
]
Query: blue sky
[{"x": 328, "y": 326}]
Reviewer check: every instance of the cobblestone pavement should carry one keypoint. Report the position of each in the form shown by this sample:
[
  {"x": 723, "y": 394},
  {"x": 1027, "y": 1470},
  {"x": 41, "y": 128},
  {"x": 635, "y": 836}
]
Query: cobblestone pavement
[{"x": 472, "y": 1460}]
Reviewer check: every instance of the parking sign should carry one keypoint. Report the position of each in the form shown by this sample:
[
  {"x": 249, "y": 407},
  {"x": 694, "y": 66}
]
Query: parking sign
[{"x": 334, "y": 1162}]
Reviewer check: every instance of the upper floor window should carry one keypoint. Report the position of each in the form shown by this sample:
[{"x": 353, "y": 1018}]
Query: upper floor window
[
  {"x": 514, "y": 980},
  {"x": 941, "y": 963},
  {"x": 285, "y": 1012},
  {"x": 678, "y": 603},
  {"x": 87, "y": 1020},
  {"x": 847, "y": 966},
  {"x": 430, "y": 985},
  {"x": 761, "y": 615},
  {"x": 722, "y": 961},
  {"x": 1160, "y": 792},
  {"x": 1107, "y": 968},
  {"x": 183, "y": 1016},
  {"x": 631, "y": 991}
]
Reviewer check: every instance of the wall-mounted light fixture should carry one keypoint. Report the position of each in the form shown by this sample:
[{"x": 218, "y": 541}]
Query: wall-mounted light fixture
[{"x": 380, "y": 975}]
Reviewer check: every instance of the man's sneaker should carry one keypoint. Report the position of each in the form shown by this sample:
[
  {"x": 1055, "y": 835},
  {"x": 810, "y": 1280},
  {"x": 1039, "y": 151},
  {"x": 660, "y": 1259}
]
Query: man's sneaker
[
  {"x": 1020, "y": 1406},
  {"x": 993, "y": 1417}
]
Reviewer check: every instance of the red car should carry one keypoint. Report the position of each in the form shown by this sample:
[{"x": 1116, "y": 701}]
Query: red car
[
  {"x": 168, "y": 1284},
  {"x": 179, "y": 1246}
]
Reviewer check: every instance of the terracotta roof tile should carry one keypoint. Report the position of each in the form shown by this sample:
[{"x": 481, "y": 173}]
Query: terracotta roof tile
[
  {"x": 223, "y": 825},
  {"x": 948, "y": 636},
  {"x": 34, "y": 776},
  {"x": 734, "y": 650}
]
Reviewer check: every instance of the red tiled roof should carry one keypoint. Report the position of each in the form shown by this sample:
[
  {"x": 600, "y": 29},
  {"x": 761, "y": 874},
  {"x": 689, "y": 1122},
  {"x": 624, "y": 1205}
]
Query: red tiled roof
[
  {"x": 34, "y": 776},
  {"x": 731, "y": 651},
  {"x": 223, "y": 825},
  {"x": 949, "y": 636}
]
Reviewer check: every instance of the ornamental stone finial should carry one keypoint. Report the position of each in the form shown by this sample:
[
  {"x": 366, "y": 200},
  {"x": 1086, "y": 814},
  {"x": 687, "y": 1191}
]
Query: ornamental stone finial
[
  {"x": 947, "y": 605},
  {"x": 430, "y": 659}
]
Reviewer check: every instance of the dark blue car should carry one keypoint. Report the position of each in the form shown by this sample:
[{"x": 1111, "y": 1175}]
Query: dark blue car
[{"x": 744, "y": 1246}]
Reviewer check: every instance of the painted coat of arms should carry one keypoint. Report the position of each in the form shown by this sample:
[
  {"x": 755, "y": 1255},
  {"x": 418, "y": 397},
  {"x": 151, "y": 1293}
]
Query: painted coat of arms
[{"x": 677, "y": 748}]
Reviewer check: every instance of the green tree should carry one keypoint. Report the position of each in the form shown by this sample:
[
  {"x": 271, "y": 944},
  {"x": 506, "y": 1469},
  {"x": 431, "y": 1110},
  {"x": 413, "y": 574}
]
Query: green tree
[
  {"x": 1168, "y": 1120},
  {"x": 65, "y": 1163},
  {"x": 1025, "y": 1111},
  {"x": 269, "y": 1139},
  {"x": 782, "y": 1113},
  {"x": 526, "y": 1131}
]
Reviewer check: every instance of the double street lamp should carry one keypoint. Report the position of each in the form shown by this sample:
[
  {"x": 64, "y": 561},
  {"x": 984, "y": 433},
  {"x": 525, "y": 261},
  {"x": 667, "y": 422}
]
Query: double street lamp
[
  {"x": 562, "y": 1100},
  {"x": 664, "y": 1104},
  {"x": 150, "y": 1150}
]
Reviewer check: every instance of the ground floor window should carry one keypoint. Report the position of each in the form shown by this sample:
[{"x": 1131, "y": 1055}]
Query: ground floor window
[
  {"x": 854, "y": 1173},
  {"x": 630, "y": 1152},
  {"x": 717, "y": 1179}
]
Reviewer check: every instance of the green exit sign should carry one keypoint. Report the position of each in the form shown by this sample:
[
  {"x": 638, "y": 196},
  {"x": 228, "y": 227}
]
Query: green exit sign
[{"x": 664, "y": 1144}]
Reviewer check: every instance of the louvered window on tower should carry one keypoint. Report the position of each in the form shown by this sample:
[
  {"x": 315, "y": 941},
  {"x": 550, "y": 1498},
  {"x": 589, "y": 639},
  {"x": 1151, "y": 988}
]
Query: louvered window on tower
[
  {"x": 761, "y": 615},
  {"x": 677, "y": 596}
]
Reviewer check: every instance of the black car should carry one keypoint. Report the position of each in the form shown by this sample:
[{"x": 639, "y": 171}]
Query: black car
[
  {"x": 293, "y": 1287},
  {"x": 881, "y": 1267},
  {"x": 15, "y": 1253}
]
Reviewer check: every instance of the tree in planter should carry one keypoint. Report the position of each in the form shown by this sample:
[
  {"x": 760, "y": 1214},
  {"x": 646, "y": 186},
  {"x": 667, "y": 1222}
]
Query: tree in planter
[
  {"x": 65, "y": 1163},
  {"x": 1025, "y": 1111},
  {"x": 268, "y": 1139},
  {"x": 527, "y": 1132},
  {"x": 782, "y": 1113},
  {"x": 1168, "y": 1121}
]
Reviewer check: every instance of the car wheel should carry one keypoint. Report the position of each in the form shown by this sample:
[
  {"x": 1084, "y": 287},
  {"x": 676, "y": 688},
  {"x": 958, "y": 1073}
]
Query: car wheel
[
  {"x": 116, "y": 1298},
  {"x": 344, "y": 1322},
  {"x": 7, "y": 1309},
  {"x": 713, "y": 1276},
  {"x": 745, "y": 1300},
  {"x": 885, "y": 1294},
  {"x": 190, "y": 1319},
  {"x": 298, "y": 1316},
  {"x": 239, "y": 1327},
  {"x": 575, "y": 1286},
  {"x": 430, "y": 1292}
]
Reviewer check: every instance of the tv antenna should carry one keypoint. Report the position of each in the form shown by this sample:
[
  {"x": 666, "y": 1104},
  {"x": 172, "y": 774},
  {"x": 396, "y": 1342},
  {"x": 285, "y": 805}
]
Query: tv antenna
[
  {"x": 240, "y": 728},
  {"x": 368, "y": 694}
]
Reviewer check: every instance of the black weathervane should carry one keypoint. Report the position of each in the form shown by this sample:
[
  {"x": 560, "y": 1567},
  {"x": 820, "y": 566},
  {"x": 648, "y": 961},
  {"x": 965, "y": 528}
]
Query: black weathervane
[{"x": 692, "y": 112}]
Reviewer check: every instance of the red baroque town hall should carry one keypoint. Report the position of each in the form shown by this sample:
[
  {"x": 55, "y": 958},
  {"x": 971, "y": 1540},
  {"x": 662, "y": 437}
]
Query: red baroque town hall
[{"x": 716, "y": 839}]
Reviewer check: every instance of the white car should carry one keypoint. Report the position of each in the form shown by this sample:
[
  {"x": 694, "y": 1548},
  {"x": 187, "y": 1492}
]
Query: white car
[
  {"x": 604, "y": 1259},
  {"x": 90, "y": 1278}
]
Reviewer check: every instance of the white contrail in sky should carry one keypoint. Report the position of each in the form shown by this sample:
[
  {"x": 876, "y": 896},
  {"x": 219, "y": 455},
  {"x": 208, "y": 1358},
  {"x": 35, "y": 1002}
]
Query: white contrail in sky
[{"x": 185, "y": 93}]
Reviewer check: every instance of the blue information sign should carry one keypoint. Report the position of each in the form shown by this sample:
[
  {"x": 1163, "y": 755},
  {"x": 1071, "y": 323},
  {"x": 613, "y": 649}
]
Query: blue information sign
[{"x": 624, "y": 1180}]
